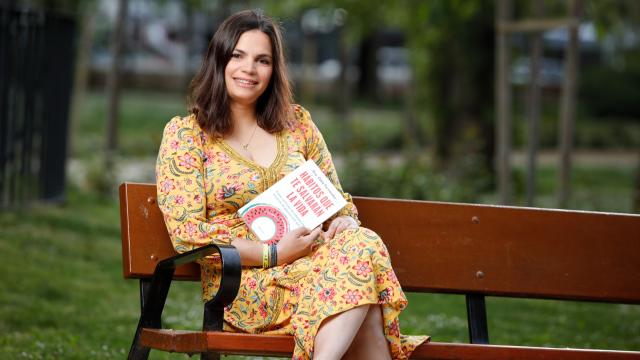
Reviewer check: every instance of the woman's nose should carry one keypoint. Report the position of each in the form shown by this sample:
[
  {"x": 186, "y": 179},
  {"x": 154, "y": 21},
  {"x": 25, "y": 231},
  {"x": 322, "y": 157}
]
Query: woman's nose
[{"x": 248, "y": 66}]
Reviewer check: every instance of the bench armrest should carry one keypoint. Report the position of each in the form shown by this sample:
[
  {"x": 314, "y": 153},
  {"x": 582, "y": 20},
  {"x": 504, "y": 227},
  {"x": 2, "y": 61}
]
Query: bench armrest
[
  {"x": 154, "y": 300},
  {"x": 163, "y": 274}
]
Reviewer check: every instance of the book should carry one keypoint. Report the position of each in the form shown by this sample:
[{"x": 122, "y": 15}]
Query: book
[{"x": 303, "y": 198}]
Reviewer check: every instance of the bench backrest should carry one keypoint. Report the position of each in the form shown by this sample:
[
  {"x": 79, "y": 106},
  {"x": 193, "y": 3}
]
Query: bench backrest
[{"x": 454, "y": 248}]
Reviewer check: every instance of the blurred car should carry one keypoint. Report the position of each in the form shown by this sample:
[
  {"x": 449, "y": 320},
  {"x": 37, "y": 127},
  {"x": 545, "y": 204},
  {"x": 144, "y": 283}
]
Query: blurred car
[
  {"x": 393, "y": 70},
  {"x": 551, "y": 72}
]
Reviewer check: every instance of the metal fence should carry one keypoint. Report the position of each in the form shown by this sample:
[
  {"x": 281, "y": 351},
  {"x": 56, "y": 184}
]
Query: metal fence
[{"x": 36, "y": 74}]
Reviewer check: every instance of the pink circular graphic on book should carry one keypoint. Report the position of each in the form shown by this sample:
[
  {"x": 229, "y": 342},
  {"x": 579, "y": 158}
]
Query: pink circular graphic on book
[{"x": 267, "y": 222}]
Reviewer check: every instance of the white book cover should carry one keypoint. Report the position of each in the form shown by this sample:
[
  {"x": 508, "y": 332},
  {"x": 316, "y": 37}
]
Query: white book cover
[{"x": 303, "y": 198}]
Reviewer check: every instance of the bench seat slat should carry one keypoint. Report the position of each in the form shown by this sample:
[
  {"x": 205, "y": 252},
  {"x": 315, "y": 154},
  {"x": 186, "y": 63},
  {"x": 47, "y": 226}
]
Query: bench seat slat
[
  {"x": 282, "y": 345},
  {"x": 182, "y": 341},
  {"x": 223, "y": 342}
]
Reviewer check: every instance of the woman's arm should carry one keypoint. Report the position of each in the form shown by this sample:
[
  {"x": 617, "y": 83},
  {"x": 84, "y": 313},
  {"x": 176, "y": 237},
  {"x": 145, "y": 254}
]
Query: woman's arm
[
  {"x": 181, "y": 189},
  {"x": 294, "y": 245}
]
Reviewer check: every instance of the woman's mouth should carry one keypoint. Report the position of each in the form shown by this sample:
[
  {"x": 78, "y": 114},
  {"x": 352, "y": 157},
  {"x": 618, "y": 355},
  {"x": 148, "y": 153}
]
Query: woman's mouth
[{"x": 245, "y": 82}]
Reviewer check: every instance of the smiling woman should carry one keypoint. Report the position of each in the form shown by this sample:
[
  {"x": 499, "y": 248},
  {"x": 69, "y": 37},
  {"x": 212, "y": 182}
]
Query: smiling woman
[{"x": 333, "y": 287}]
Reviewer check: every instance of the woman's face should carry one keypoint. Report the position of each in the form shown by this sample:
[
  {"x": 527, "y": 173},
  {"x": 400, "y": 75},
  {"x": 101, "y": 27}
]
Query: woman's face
[{"x": 248, "y": 72}]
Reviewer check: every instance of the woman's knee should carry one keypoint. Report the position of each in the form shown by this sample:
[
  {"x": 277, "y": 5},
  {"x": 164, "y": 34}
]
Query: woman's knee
[
  {"x": 371, "y": 333},
  {"x": 373, "y": 320},
  {"x": 362, "y": 235}
]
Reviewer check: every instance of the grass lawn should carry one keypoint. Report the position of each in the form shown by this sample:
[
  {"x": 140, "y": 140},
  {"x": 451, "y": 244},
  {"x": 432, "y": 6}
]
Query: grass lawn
[{"x": 62, "y": 295}]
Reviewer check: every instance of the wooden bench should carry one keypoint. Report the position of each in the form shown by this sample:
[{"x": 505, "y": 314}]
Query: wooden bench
[{"x": 475, "y": 250}]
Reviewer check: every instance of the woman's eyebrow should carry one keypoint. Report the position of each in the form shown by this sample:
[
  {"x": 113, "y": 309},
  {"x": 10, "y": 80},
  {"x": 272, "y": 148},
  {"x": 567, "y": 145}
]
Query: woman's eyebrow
[{"x": 259, "y": 55}]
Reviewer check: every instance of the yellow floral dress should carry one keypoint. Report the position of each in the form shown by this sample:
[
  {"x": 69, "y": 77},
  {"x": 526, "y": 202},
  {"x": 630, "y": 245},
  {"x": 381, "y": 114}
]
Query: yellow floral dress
[{"x": 202, "y": 182}]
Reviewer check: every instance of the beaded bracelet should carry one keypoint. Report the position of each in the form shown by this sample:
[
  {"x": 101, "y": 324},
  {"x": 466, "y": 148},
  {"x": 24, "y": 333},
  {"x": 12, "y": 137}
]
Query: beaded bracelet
[
  {"x": 273, "y": 259},
  {"x": 265, "y": 256}
]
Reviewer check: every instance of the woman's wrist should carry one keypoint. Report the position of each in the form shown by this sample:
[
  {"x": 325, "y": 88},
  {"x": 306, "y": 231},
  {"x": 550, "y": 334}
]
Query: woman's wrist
[{"x": 278, "y": 254}]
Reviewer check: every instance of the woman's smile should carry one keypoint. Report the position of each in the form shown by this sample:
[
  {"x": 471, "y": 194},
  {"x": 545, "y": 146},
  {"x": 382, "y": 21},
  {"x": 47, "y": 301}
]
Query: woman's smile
[{"x": 245, "y": 82}]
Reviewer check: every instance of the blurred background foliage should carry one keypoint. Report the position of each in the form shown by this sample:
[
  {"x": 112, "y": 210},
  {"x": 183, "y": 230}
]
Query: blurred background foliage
[
  {"x": 403, "y": 92},
  {"x": 428, "y": 67}
]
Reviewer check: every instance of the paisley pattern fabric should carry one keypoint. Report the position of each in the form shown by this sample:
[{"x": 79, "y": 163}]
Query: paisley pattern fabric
[{"x": 202, "y": 182}]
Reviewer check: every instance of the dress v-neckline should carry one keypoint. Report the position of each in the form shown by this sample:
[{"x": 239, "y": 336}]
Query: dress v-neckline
[{"x": 281, "y": 150}]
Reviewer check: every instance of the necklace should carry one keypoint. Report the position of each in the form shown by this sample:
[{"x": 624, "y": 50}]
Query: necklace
[{"x": 246, "y": 145}]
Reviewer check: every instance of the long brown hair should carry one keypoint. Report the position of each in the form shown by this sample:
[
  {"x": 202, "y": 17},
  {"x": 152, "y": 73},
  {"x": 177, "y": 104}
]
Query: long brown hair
[{"x": 208, "y": 98}]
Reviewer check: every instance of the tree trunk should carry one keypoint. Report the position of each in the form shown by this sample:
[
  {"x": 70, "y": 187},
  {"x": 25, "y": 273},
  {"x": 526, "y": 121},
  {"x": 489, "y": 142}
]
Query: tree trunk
[
  {"x": 636, "y": 190},
  {"x": 81, "y": 77},
  {"x": 113, "y": 88},
  {"x": 534, "y": 105},
  {"x": 368, "y": 64},
  {"x": 308, "y": 70},
  {"x": 568, "y": 106},
  {"x": 503, "y": 105}
]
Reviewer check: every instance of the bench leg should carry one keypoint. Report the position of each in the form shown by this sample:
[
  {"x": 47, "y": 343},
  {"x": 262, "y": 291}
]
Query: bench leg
[
  {"x": 153, "y": 294},
  {"x": 210, "y": 356},
  {"x": 137, "y": 351},
  {"x": 212, "y": 320},
  {"x": 477, "y": 319}
]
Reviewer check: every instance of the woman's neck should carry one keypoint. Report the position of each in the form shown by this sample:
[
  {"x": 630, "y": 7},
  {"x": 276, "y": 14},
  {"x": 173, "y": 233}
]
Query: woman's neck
[{"x": 243, "y": 116}]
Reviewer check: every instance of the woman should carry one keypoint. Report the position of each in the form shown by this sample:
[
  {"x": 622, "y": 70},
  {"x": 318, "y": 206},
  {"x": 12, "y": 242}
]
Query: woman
[{"x": 333, "y": 289}]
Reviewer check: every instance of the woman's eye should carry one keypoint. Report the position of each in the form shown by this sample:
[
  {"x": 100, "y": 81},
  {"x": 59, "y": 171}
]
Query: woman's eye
[
  {"x": 235, "y": 56},
  {"x": 265, "y": 62}
]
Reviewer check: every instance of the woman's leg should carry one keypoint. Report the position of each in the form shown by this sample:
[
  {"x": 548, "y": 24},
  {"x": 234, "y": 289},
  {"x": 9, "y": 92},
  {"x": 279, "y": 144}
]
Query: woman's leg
[
  {"x": 370, "y": 342},
  {"x": 337, "y": 332}
]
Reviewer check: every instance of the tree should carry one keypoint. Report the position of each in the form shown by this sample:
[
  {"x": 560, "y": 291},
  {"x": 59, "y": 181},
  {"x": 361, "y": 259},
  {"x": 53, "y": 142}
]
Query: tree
[
  {"x": 452, "y": 43},
  {"x": 113, "y": 88}
]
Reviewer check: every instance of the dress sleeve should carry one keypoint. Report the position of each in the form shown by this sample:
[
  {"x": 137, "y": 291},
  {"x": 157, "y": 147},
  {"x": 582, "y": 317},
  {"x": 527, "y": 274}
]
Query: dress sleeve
[
  {"x": 181, "y": 189},
  {"x": 317, "y": 150}
]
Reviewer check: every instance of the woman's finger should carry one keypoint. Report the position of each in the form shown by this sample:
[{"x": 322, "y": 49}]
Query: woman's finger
[
  {"x": 332, "y": 230},
  {"x": 313, "y": 235},
  {"x": 341, "y": 227},
  {"x": 301, "y": 231}
]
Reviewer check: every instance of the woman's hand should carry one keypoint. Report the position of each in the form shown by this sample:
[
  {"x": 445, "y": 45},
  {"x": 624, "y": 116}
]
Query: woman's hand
[
  {"x": 296, "y": 244},
  {"x": 338, "y": 225}
]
